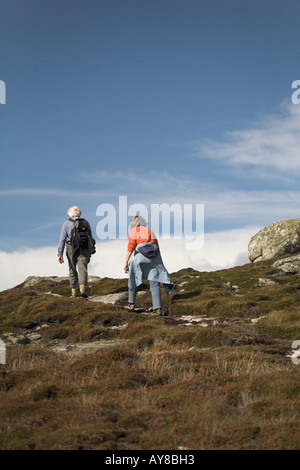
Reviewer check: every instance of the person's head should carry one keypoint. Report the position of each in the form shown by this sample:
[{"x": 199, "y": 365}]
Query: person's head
[
  {"x": 74, "y": 212},
  {"x": 138, "y": 221}
]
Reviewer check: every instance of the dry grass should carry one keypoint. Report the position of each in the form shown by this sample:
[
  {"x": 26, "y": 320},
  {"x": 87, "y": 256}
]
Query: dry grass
[
  {"x": 228, "y": 386},
  {"x": 159, "y": 398}
]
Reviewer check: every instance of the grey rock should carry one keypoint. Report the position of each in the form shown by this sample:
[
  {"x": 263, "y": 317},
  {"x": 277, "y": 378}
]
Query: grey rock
[
  {"x": 264, "y": 282},
  {"x": 13, "y": 339},
  {"x": 188, "y": 320},
  {"x": 49, "y": 293},
  {"x": 32, "y": 280},
  {"x": 255, "y": 320},
  {"x": 278, "y": 239},
  {"x": 290, "y": 265},
  {"x": 110, "y": 298},
  {"x": 84, "y": 348},
  {"x": 23, "y": 339},
  {"x": 34, "y": 336},
  {"x": 229, "y": 286}
]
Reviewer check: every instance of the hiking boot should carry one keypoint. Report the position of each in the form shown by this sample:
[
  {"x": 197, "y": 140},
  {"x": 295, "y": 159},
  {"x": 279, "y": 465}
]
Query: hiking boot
[
  {"x": 83, "y": 292},
  {"x": 129, "y": 307},
  {"x": 73, "y": 293},
  {"x": 156, "y": 311}
]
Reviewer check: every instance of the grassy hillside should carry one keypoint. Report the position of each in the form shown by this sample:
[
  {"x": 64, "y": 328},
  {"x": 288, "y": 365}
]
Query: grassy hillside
[{"x": 213, "y": 373}]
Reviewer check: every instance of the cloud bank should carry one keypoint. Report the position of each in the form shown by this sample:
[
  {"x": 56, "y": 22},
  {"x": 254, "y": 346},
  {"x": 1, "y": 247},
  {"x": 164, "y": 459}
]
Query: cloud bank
[
  {"x": 221, "y": 250},
  {"x": 273, "y": 142},
  {"x": 259, "y": 186},
  {"x": 257, "y": 183}
]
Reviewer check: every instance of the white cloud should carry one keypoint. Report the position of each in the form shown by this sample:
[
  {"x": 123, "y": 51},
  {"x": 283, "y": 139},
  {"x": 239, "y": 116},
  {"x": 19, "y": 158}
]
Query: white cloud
[
  {"x": 272, "y": 142},
  {"x": 223, "y": 207},
  {"x": 108, "y": 184},
  {"x": 49, "y": 192},
  {"x": 18, "y": 265},
  {"x": 141, "y": 184},
  {"x": 238, "y": 206},
  {"x": 221, "y": 250}
]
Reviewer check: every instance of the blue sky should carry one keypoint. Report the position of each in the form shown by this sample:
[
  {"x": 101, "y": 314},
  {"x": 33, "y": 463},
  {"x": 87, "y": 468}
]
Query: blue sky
[{"x": 176, "y": 101}]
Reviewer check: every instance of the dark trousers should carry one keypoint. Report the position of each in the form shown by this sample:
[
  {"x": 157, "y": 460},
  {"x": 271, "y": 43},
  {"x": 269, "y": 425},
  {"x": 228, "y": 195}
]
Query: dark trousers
[{"x": 77, "y": 267}]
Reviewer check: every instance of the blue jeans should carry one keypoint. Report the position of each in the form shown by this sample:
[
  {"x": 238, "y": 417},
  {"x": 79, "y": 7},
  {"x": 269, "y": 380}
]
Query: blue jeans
[{"x": 155, "y": 293}]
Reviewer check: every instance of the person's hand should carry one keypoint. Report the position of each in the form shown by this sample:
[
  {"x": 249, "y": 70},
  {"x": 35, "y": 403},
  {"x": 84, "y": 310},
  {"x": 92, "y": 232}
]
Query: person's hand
[
  {"x": 60, "y": 259},
  {"x": 126, "y": 268}
]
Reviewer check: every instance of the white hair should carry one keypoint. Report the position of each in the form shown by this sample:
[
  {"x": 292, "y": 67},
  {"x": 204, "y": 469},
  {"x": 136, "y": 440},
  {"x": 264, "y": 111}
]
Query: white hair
[
  {"x": 137, "y": 221},
  {"x": 74, "y": 212}
]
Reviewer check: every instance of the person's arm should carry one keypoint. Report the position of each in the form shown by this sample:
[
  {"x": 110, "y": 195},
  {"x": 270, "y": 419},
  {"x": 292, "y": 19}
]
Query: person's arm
[
  {"x": 61, "y": 245},
  {"x": 130, "y": 247},
  {"x": 126, "y": 267},
  {"x": 89, "y": 228}
]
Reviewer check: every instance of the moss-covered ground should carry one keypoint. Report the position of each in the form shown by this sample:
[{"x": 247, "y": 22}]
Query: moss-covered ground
[{"x": 154, "y": 382}]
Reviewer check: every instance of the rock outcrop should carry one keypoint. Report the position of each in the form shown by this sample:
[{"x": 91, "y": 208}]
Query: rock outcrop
[
  {"x": 33, "y": 280},
  {"x": 279, "y": 239},
  {"x": 290, "y": 265}
]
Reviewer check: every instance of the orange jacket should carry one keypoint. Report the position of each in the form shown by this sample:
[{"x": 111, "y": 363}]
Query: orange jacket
[{"x": 140, "y": 235}]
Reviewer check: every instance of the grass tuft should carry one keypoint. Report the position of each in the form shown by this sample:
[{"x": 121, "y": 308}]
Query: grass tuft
[{"x": 224, "y": 380}]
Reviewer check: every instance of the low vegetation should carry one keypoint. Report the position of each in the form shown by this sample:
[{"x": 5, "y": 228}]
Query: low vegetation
[{"x": 214, "y": 372}]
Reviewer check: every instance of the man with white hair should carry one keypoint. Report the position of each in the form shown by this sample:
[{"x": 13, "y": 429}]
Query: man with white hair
[{"x": 78, "y": 259}]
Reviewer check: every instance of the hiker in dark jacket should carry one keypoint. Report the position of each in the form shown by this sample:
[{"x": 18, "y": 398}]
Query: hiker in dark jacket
[{"x": 78, "y": 260}]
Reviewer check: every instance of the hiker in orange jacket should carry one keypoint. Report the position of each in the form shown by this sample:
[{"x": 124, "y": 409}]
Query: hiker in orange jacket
[{"x": 146, "y": 264}]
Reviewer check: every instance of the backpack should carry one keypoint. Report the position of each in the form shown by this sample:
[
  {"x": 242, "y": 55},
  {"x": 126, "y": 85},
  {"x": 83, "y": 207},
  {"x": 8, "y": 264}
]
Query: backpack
[
  {"x": 81, "y": 238},
  {"x": 149, "y": 250}
]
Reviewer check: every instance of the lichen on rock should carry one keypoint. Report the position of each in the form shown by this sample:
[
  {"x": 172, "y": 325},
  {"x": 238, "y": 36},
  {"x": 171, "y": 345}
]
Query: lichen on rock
[{"x": 278, "y": 239}]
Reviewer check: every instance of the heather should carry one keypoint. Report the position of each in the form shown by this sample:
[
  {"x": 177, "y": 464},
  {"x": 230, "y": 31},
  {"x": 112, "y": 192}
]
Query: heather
[{"x": 214, "y": 372}]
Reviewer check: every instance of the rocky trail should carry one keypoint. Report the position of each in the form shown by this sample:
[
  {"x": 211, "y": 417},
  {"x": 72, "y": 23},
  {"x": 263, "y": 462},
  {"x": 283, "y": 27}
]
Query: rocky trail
[{"x": 235, "y": 330}]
